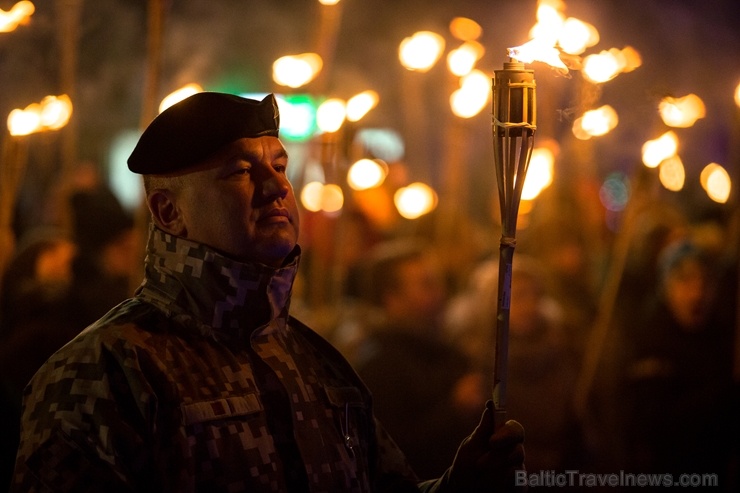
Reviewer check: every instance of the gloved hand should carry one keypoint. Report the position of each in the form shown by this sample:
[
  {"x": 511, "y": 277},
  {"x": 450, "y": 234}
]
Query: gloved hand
[{"x": 487, "y": 461}]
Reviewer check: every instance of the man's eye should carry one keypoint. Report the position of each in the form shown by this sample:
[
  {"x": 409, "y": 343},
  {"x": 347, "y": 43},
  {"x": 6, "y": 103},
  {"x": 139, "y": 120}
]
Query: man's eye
[
  {"x": 243, "y": 171},
  {"x": 280, "y": 168}
]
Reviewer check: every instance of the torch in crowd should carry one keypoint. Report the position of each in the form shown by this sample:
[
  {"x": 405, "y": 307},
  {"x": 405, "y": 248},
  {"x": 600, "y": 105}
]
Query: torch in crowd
[{"x": 514, "y": 123}]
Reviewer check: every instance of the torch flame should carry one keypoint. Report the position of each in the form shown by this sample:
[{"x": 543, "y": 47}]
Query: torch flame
[
  {"x": 52, "y": 113},
  {"x": 538, "y": 50},
  {"x": 19, "y": 14}
]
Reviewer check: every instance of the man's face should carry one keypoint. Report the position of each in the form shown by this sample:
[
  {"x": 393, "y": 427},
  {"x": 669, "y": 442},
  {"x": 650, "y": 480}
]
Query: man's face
[{"x": 240, "y": 202}]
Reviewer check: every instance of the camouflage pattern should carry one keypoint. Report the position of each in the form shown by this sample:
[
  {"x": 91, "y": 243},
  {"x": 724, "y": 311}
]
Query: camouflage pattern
[{"x": 203, "y": 382}]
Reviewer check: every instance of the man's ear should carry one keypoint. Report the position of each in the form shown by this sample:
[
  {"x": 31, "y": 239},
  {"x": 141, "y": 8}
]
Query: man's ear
[{"x": 165, "y": 212}]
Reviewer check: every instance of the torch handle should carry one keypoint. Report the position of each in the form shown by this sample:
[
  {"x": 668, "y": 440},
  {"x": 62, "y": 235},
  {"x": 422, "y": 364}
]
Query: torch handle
[{"x": 500, "y": 370}]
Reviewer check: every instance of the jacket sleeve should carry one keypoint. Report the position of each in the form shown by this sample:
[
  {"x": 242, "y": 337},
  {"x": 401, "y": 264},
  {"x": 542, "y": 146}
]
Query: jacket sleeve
[{"x": 82, "y": 424}]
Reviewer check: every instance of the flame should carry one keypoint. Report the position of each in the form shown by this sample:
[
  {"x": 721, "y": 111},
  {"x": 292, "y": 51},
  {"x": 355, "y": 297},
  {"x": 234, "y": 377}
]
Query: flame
[
  {"x": 672, "y": 174},
  {"x": 331, "y": 114},
  {"x": 539, "y": 50},
  {"x": 360, "y": 104},
  {"x": 367, "y": 173},
  {"x": 317, "y": 196},
  {"x": 462, "y": 60},
  {"x": 656, "y": 151},
  {"x": 472, "y": 96},
  {"x": 681, "y": 112},
  {"x": 465, "y": 29},
  {"x": 577, "y": 35},
  {"x": 716, "y": 182},
  {"x": 296, "y": 70},
  {"x": 52, "y": 113},
  {"x": 179, "y": 94},
  {"x": 19, "y": 14},
  {"x": 607, "y": 64},
  {"x": 415, "y": 200},
  {"x": 539, "y": 174},
  {"x": 421, "y": 51}
]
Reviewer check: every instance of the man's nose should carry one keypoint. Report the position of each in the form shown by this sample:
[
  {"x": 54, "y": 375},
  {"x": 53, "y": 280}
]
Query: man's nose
[{"x": 275, "y": 186}]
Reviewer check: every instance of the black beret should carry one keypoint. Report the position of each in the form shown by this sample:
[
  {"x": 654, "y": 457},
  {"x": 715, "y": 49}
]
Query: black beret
[{"x": 188, "y": 132}]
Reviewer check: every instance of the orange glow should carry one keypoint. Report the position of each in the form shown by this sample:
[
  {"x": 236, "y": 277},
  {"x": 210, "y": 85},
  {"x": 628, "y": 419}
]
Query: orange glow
[
  {"x": 472, "y": 96},
  {"x": 465, "y": 29},
  {"x": 19, "y": 14},
  {"x": 538, "y": 50},
  {"x": 331, "y": 114},
  {"x": 367, "y": 173},
  {"x": 360, "y": 104},
  {"x": 681, "y": 112},
  {"x": 52, "y": 113},
  {"x": 606, "y": 65},
  {"x": 296, "y": 70},
  {"x": 462, "y": 60},
  {"x": 599, "y": 121},
  {"x": 656, "y": 151},
  {"x": 421, "y": 51},
  {"x": 316, "y": 197},
  {"x": 716, "y": 182},
  {"x": 415, "y": 200},
  {"x": 672, "y": 174},
  {"x": 178, "y": 95},
  {"x": 576, "y": 36},
  {"x": 539, "y": 174}
]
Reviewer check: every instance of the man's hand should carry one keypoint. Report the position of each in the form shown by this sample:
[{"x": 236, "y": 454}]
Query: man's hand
[{"x": 486, "y": 460}]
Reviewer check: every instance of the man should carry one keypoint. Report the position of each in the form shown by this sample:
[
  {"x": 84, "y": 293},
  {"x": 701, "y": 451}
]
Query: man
[
  {"x": 202, "y": 381},
  {"x": 419, "y": 381}
]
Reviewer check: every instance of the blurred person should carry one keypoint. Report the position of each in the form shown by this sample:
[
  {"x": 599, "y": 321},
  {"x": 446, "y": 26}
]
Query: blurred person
[
  {"x": 420, "y": 383},
  {"x": 203, "y": 381},
  {"x": 107, "y": 253},
  {"x": 541, "y": 369},
  {"x": 678, "y": 387},
  {"x": 34, "y": 323}
]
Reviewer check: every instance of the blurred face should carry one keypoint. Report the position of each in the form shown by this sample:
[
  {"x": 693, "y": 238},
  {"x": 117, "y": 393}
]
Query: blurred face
[
  {"x": 686, "y": 293},
  {"x": 241, "y": 203},
  {"x": 420, "y": 297}
]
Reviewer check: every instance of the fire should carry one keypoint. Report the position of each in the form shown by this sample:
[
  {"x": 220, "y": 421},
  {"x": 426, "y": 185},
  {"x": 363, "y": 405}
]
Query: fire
[
  {"x": 672, "y": 174},
  {"x": 178, "y": 95},
  {"x": 360, "y": 104},
  {"x": 538, "y": 50},
  {"x": 597, "y": 122},
  {"x": 716, "y": 182},
  {"x": 607, "y": 64},
  {"x": 52, "y": 113},
  {"x": 462, "y": 60},
  {"x": 331, "y": 114},
  {"x": 415, "y": 200},
  {"x": 19, "y": 14},
  {"x": 682, "y": 112},
  {"x": 540, "y": 173},
  {"x": 656, "y": 151},
  {"x": 421, "y": 51},
  {"x": 317, "y": 196},
  {"x": 472, "y": 96},
  {"x": 296, "y": 70}
]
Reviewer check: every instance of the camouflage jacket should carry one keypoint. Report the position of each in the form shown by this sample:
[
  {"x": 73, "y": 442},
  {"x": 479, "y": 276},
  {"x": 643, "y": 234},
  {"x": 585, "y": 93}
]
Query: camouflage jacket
[{"x": 203, "y": 382}]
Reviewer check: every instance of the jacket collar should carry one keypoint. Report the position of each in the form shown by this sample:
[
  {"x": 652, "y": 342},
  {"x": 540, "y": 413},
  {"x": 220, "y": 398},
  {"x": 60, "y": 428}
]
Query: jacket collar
[{"x": 214, "y": 294}]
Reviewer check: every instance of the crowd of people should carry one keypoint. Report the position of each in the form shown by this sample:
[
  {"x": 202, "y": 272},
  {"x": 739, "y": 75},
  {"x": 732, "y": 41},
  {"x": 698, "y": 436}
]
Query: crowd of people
[{"x": 663, "y": 400}]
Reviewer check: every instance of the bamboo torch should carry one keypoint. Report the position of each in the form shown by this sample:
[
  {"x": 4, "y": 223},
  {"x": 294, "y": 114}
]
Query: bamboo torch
[{"x": 514, "y": 124}]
